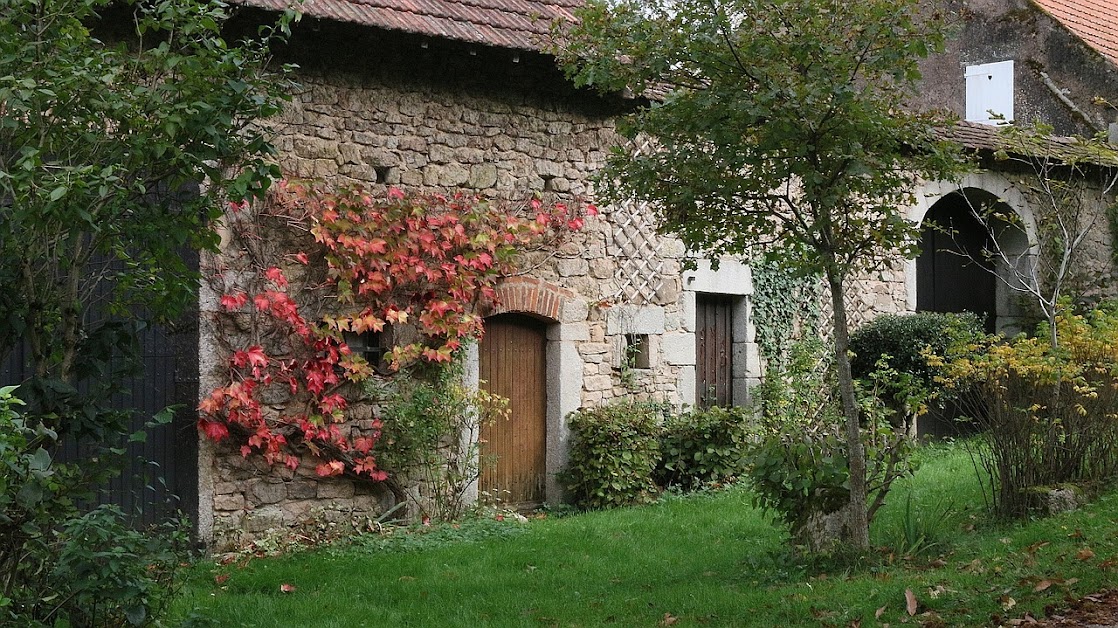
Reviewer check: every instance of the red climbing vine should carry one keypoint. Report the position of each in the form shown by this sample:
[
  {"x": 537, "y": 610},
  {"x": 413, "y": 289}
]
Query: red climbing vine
[{"x": 355, "y": 262}]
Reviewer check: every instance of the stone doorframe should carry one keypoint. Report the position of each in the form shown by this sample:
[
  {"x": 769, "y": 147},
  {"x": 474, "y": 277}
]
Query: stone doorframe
[
  {"x": 733, "y": 278},
  {"x": 1006, "y": 192},
  {"x": 565, "y": 313}
]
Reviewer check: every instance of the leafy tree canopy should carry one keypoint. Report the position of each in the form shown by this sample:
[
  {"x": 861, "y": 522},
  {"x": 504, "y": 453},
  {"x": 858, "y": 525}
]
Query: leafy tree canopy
[
  {"x": 779, "y": 124},
  {"x": 124, "y": 127},
  {"x": 774, "y": 127}
]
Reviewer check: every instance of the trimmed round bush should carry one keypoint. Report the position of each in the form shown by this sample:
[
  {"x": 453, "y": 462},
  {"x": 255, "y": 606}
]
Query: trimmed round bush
[
  {"x": 904, "y": 337},
  {"x": 704, "y": 447},
  {"x": 615, "y": 450}
]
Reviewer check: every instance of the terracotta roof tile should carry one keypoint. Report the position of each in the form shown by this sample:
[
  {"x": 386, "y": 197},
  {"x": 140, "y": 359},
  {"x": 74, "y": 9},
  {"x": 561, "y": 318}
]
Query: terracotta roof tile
[
  {"x": 1093, "y": 21},
  {"x": 515, "y": 24}
]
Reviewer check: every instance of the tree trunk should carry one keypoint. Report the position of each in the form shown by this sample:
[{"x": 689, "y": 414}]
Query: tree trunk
[{"x": 859, "y": 517}]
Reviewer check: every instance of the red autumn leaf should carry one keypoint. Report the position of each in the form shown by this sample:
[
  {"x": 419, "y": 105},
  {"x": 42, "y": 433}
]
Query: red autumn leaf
[
  {"x": 213, "y": 430},
  {"x": 276, "y": 276},
  {"x": 221, "y": 578},
  {"x": 234, "y": 301},
  {"x": 331, "y": 468},
  {"x": 301, "y": 257}
]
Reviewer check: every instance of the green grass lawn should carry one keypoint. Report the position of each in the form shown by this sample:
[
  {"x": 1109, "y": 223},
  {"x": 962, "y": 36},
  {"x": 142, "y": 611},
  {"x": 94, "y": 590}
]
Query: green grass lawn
[{"x": 708, "y": 559}]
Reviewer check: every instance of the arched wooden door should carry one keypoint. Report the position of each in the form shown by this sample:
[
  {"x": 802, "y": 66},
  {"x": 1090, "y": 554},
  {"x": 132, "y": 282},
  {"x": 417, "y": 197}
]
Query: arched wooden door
[
  {"x": 952, "y": 273},
  {"x": 514, "y": 450}
]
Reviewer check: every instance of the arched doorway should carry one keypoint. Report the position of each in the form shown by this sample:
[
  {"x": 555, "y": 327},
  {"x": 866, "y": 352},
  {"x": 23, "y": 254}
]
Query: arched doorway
[
  {"x": 512, "y": 363},
  {"x": 955, "y": 269}
]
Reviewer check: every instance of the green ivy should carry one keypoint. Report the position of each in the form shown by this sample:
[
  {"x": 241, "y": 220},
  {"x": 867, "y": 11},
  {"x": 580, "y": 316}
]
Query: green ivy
[{"x": 785, "y": 306}]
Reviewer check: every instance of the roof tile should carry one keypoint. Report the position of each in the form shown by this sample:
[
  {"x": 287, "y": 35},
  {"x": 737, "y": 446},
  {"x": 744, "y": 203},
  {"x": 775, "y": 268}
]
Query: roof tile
[
  {"x": 1093, "y": 21},
  {"x": 516, "y": 24}
]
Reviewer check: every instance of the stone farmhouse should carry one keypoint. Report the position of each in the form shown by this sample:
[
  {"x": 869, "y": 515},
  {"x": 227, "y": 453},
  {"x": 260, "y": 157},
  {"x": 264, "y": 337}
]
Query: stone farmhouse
[{"x": 442, "y": 95}]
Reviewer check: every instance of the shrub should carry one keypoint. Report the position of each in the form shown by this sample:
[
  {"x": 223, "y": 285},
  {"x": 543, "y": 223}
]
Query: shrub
[
  {"x": 891, "y": 355},
  {"x": 799, "y": 466},
  {"x": 427, "y": 416},
  {"x": 703, "y": 447},
  {"x": 614, "y": 452},
  {"x": 60, "y": 566},
  {"x": 905, "y": 338},
  {"x": 1049, "y": 412}
]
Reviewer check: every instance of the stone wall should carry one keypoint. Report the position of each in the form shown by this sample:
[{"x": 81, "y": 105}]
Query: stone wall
[{"x": 488, "y": 124}]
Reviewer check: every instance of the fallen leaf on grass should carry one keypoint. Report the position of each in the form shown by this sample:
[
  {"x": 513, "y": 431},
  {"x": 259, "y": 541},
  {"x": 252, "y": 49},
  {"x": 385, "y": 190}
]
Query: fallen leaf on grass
[
  {"x": 1007, "y": 602},
  {"x": 1085, "y": 554},
  {"x": 1035, "y": 546},
  {"x": 879, "y": 613},
  {"x": 668, "y": 620},
  {"x": 1043, "y": 585},
  {"x": 221, "y": 578},
  {"x": 910, "y": 602},
  {"x": 287, "y": 588}
]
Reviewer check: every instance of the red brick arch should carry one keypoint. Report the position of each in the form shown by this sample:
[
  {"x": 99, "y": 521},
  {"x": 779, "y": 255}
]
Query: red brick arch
[{"x": 529, "y": 295}]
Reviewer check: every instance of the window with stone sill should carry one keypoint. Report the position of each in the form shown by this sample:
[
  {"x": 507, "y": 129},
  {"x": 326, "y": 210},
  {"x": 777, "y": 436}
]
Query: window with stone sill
[
  {"x": 374, "y": 347},
  {"x": 637, "y": 354}
]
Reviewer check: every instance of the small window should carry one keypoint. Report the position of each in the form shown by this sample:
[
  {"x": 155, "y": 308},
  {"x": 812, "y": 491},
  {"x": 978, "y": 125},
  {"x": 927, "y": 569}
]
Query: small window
[
  {"x": 990, "y": 93},
  {"x": 637, "y": 353},
  {"x": 374, "y": 347}
]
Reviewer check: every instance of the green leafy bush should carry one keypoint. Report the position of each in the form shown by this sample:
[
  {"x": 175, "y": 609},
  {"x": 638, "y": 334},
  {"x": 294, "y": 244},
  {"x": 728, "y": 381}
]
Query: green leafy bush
[
  {"x": 614, "y": 452},
  {"x": 798, "y": 465},
  {"x": 703, "y": 447},
  {"x": 425, "y": 413},
  {"x": 60, "y": 566},
  {"x": 904, "y": 340},
  {"x": 891, "y": 356}
]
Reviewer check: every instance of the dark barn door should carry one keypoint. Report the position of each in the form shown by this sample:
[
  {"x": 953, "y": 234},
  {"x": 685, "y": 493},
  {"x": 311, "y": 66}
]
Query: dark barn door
[
  {"x": 951, "y": 273},
  {"x": 160, "y": 476},
  {"x": 514, "y": 450},
  {"x": 714, "y": 344}
]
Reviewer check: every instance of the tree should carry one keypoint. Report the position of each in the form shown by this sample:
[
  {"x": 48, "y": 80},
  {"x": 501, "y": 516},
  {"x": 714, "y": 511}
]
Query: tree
[
  {"x": 124, "y": 127},
  {"x": 776, "y": 127}
]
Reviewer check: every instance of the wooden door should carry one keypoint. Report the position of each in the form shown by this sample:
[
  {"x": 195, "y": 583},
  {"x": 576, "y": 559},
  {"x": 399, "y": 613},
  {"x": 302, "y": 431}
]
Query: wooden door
[
  {"x": 514, "y": 450},
  {"x": 714, "y": 345},
  {"x": 952, "y": 274}
]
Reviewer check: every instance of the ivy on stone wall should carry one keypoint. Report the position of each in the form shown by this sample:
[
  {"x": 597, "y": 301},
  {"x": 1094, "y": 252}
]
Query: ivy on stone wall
[{"x": 786, "y": 306}]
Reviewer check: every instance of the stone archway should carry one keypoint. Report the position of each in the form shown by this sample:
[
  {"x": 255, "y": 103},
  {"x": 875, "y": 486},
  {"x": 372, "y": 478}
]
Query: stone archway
[{"x": 956, "y": 271}]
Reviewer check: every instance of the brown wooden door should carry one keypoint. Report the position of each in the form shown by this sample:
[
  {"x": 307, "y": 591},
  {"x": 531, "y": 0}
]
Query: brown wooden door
[
  {"x": 714, "y": 344},
  {"x": 512, "y": 356}
]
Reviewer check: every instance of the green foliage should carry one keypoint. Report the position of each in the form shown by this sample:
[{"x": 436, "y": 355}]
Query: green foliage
[
  {"x": 704, "y": 447},
  {"x": 108, "y": 574},
  {"x": 799, "y": 466},
  {"x": 892, "y": 351},
  {"x": 786, "y": 306},
  {"x": 1049, "y": 410},
  {"x": 60, "y": 567},
  {"x": 108, "y": 128},
  {"x": 614, "y": 452},
  {"x": 906, "y": 338},
  {"x": 426, "y": 416}
]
